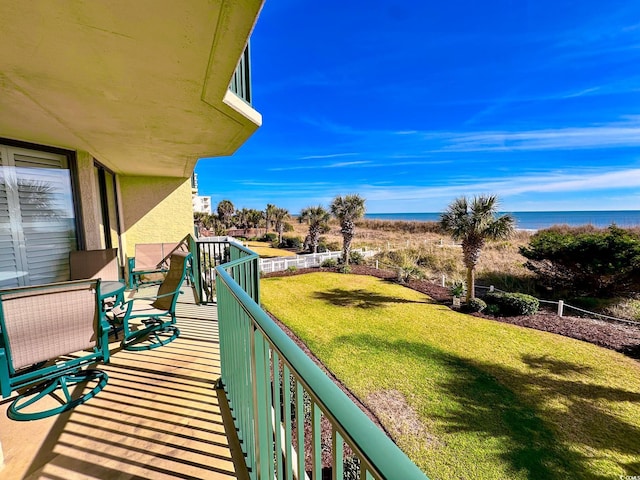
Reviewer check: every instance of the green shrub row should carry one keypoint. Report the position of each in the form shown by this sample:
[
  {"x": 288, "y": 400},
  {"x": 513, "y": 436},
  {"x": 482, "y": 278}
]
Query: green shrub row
[{"x": 508, "y": 304}]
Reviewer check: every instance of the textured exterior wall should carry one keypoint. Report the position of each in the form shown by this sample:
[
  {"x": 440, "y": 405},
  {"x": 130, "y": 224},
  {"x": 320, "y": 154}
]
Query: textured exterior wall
[
  {"x": 154, "y": 209},
  {"x": 89, "y": 201}
]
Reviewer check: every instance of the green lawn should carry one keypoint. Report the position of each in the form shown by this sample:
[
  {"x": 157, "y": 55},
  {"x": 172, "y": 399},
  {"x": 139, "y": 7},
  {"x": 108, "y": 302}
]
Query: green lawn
[
  {"x": 489, "y": 400},
  {"x": 265, "y": 250}
]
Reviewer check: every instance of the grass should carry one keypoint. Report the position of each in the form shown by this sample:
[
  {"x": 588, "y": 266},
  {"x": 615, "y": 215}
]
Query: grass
[
  {"x": 494, "y": 401},
  {"x": 265, "y": 250}
]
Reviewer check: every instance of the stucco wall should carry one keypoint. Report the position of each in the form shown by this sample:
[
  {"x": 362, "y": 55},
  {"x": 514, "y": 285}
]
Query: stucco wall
[{"x": 154, "y": 209}]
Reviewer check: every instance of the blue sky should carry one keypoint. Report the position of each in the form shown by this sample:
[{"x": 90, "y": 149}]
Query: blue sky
[{"x": 412, "y": 104}]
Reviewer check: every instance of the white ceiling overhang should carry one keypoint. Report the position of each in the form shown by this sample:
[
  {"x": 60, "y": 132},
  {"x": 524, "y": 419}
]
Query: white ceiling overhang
[{"x": 141, "y": 85}]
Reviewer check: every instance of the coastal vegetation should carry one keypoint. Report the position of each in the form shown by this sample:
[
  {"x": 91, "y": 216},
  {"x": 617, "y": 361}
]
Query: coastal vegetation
[
  {"x": 467, "y": 397},
  {"x": 422, "y": 250},
  {"x": 318, "y": 220},
  {"x": 347, "y": 210},
  {"x": 473, "y": 222},
  {"x": 586, "y": 261}
]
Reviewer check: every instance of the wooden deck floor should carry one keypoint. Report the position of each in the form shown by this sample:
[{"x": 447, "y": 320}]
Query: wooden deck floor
[{"x": 159, "y": 417}]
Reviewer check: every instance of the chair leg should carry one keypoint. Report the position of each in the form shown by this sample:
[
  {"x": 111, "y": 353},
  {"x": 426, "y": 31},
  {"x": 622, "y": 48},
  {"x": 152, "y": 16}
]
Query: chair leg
[
  {"x": 19, "y": 408},
  {"x": 155, "y": 334}
]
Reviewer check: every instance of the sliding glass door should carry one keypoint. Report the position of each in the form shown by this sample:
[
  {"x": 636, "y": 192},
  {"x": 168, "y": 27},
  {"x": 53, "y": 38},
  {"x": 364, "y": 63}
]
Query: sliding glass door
[{"x": 37, "y": 217}]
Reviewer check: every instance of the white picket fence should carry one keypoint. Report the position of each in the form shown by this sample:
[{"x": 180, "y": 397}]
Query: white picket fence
[{"x": 280, "y": 264}]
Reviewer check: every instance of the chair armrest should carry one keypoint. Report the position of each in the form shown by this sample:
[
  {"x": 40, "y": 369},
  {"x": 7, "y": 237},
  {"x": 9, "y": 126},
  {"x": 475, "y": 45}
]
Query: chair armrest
[{"x": 129, "y": 303}]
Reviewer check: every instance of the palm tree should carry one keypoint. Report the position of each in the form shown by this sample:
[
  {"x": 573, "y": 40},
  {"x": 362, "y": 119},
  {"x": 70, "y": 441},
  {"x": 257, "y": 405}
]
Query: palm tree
[
  {"x": 241, "y": 219},
  {"x": 225, "y": 212},
  {"x": 317, "y": 217},
  {"x": 279, "y": 216},
  {"x": 473, "y": 222},
  {"x": 254, "y": 217},
  {"x": 347, "y": 210},
  {"x": 269, "y": 214}
]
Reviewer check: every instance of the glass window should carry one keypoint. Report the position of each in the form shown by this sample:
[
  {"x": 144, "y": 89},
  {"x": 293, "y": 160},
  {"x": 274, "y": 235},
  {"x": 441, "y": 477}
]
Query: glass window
[{"x": 37, "y": 217}]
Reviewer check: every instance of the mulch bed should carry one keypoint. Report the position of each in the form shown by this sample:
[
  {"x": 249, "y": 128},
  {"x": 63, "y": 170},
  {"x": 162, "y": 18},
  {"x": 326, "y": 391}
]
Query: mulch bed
[{"x": 621, "y": 337}]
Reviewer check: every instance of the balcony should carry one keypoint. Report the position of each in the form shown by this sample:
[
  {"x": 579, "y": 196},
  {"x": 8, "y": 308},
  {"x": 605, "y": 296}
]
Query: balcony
[
  {"x": 241, "y": 80},
  {"x": 162, "y": 417}
]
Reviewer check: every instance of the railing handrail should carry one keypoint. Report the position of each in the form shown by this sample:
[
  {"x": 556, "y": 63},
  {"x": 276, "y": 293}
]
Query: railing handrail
[{"x": 379, "y": 451}]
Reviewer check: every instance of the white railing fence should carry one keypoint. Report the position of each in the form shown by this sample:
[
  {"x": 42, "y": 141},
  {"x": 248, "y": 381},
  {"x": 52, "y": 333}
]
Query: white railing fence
[{"x": 280, "y": 264}]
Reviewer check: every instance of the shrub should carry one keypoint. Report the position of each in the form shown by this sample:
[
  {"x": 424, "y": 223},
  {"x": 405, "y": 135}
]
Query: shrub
[
  {"x": 474, "y": 305},
  {"x": 333, "y": 246},
  {"x": 410, "y": 272},
  {"x": 291, "y": 242},
  {"x": 509, "y": 304},
  {"x": 587, "y": 263},
  {"x": 457, "y": 289},
  {"x": 329, "y": 262},
  {"x": 356, "y": 258},
  {"x": 270, "y": 237},
  {"x": 292, "y": 268},
  {"x": 626, "y": 308},
  {"x": 344, "y": 269}
]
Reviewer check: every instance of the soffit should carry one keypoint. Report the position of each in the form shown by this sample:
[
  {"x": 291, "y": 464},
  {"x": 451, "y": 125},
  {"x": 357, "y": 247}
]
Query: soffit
[{"x": 140, "y": 85}]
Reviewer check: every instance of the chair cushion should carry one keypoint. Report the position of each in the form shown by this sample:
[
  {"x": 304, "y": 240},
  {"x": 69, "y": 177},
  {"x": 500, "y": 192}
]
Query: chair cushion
[
  {"x": 48, "y": 323},
  {"x": 172, "y": 281}
]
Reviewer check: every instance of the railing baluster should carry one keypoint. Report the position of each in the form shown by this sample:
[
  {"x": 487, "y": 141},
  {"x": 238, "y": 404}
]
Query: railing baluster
[
  {"x": 337, "y": 447},
  {"x": 277, "y": 413},
  {"x": 316, "y": 442},
  {"x": 300, "y": 428},
  {"x": 288, "y": 440},
  {"x": 254, "y": 354}
]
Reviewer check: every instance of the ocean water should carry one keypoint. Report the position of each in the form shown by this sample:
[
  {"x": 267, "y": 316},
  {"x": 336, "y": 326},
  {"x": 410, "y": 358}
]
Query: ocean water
[{"x": 539, "y": 220}]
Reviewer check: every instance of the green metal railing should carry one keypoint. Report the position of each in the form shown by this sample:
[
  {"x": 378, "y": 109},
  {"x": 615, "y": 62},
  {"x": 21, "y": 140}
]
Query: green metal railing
[
  {"x": 282, "y": 403},
  {"x": 241, "y": 79}
]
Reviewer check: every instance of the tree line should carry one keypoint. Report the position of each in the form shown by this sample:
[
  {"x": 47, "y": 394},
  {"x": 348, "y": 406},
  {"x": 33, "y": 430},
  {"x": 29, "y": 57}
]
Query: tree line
[
  {"x": 583, "y": 262},
  {"x": 346, "y": 209}
]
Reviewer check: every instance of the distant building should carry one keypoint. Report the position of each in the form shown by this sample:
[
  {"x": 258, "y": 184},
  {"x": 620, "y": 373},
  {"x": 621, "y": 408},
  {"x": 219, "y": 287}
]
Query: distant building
[{"x": 201, "y": 204}]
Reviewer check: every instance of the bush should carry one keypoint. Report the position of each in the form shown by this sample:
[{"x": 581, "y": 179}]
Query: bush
[
  {"x": 270, "y": 237},
  {"x": 329, "y": 262},
  {"x": 356, "y": 258},
  {"x": 292, "y": 268},
  {"x": 344, "y": 269},
  {"x": 291, "y": 242},
  {"x": 409, "y": 273},
  {"x": 333, "y": 246},
  {"x": 597, "y": 263},
  {"x": 510, "y": 304},
  {"x": 474, "y": 305},
  {"x": 457, "y": 289}
]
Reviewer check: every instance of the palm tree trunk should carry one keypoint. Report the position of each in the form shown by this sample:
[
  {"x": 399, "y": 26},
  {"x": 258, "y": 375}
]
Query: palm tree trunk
[
  {"x": 471, "y": 284},
  {"x": 470, "y": 255},
  {"x": 314, "y": 233},
  {"x": 348, "y": 227}
]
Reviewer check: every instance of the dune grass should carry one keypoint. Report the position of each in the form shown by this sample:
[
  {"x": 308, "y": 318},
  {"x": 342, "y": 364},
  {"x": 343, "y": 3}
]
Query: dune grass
[
  {"x": 494, "y": 401},
  {"x": 265, "y": 250}
]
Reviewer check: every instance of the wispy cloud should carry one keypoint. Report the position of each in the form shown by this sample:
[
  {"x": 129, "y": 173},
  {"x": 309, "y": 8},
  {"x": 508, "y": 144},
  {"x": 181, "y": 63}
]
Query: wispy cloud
[
  {"x": 319, "y": 167},
  {"x": 331, "y": 155},
  {"x": 558, "y": 182},
  {"x": 613, "y": 135}
]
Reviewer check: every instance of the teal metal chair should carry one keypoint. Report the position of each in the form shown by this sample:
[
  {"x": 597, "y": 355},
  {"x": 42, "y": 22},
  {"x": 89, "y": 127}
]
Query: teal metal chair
[
  {"x": 149, "y": 322},
  {"x": 48, "y": 335}
]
